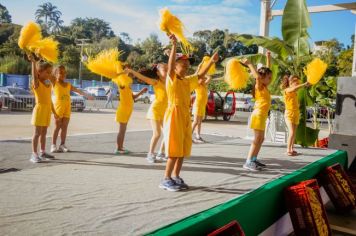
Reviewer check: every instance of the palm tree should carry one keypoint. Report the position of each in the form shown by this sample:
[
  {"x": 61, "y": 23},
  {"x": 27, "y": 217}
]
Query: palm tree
[{"x": 49, "y": 12}]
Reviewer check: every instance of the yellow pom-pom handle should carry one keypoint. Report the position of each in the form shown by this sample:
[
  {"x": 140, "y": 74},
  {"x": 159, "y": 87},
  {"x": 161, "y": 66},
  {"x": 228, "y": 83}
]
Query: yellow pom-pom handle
[
  {"x": 106, "y": 63},
  {"x": 30, "y": 33},
  {"x": 46, "y": 48},
  {"x": 236, "y": 76},
  {"x": 205, "y": 62},
  {"x": 315, "y": 70},
  {"x": 170, "y": 24}
]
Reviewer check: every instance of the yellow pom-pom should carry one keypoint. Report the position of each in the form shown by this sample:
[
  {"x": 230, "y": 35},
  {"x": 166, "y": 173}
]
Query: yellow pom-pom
[
  {"x": 30, "y": 33},
  {"x": 236, "y": 76},
  {"x": 172, "y": 25},
  {"x": 46, "y": 48},
  {"x": 315, "y": 70},
  {"x": 105, "y": 63},
  {"x": 205, "y": 62},
  {"x": 123, "y": 80}
]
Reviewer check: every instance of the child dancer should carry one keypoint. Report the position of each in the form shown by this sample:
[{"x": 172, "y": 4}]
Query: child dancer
[
  {"x": 62, "y": 106},
  {"x": 199, "y": 107},
  {"x": 157, "y": 108},
  {"x": 123, "y": 113},
  {"x": 41, "y": 116},
  {"x": 177, "y": 125},
  {"x": 260, "y": 112},
  {"x": 290, "y": 86}
]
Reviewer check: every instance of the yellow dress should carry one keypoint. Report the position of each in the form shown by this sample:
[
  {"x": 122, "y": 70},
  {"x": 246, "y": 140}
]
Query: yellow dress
[
  {"x": 159, "y": 105},
  {"x": 261, "y": 108},
  {"x": 124, "y": 110},
  {"x": 41, "y": 115},
  {"x": 292, "y": 107},
  {"x": 177, "y": 126},
  {"x": 201, "y": 99},
  {"x": 62, "y": 103}
]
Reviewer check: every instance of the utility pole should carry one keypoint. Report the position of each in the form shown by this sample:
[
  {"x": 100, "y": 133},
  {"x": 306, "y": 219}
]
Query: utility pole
[{"x": 81, "y": 43}]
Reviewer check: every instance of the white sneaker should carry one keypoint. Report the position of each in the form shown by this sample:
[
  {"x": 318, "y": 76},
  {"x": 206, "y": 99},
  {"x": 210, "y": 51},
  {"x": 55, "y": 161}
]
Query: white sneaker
[
  {"x": 63, "y": 148},
  {"x": 161, "y": 157},
  {"x": 151, "y": 158},
  {"x": 35, "y": 159},
  {"x": 53, "y": 148}
]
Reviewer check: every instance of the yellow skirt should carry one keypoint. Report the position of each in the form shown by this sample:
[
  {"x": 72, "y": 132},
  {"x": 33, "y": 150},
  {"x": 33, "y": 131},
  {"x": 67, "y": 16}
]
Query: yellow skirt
[
  {"x": 258, "y": 120},
  {"x": 123, "y": 114},
  {"x": 63, "y": 110},
  {"x": 41, "y": 115},
  {"x": 177, "y": 130},
  {"x": 292, "y": 116},
  {"x": 156, "y": 111},
  {"x": 199, "y": 108}
]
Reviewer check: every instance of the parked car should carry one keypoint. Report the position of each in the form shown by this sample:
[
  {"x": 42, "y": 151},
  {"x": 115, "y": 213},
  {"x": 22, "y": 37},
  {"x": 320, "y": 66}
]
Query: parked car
[
  {"x": 244, "y": 104},
  {"x": 219, "y": 106},
  {"x": 98, "y": 92},
  {"x": 16, "y": 98},
  {"x": 78, "y": 102}
]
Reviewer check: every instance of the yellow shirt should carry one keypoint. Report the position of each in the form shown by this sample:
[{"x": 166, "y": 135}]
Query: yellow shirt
[
  {"x": 43, "y": 93},
  {"x": 291, "y": 101},
  {"x": 62, "y": 93},
  {"x": 262, "y": 100},
  {"x": 159, "y": 105},
  {"x": 178, "y": 90}
]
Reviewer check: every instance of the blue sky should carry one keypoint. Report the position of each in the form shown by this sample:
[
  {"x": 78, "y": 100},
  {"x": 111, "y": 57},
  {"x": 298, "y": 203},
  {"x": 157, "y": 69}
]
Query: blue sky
[{"x": 139, "y": 17}]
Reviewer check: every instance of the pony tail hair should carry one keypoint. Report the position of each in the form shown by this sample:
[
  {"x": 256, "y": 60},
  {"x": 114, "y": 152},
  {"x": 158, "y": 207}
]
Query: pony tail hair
[{"x": 285, "y": 82}]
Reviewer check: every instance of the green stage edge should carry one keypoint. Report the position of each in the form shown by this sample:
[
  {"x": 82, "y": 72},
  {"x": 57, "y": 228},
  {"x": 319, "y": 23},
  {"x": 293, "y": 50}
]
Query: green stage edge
[{"x": 255, "y": 210}]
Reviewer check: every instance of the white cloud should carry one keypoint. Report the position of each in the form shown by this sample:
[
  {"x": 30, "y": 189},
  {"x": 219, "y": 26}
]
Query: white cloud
[
  {"x": 237, "y": 2},
  {"x": 140, "y": 21}
]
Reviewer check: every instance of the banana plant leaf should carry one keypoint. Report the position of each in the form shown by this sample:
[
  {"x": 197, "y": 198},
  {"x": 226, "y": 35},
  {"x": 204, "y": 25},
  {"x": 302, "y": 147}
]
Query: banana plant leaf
[
  {"x": 273, "y": 44},
  {"x": 295, "y": 23}
]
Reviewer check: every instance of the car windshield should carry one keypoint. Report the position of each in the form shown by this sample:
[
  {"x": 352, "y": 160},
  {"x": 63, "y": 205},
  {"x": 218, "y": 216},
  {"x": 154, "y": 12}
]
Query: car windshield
[
  {"x": 17, "y": 91},
  {"x": 101, "y": 89},
  {"x": 73, "y": 93}
]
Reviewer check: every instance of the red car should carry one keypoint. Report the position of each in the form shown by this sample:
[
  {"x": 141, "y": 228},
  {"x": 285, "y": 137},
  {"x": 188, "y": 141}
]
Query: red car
[{"x": 219, "y": 106}]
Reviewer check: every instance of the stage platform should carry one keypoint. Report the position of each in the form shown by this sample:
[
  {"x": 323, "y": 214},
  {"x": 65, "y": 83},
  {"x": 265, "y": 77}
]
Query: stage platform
[{"x": 90, "y": 191}]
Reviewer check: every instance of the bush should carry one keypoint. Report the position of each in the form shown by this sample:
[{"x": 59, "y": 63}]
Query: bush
[{"x": 13, "y": 64}]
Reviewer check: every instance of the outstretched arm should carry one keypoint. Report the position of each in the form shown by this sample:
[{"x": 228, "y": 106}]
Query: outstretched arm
[
  {"x": 72, "y": 88},
  {"x": 35, "y": 80},
  {"x": 141, "y": 77},
  {"x": 253, "y": 71},
  {"x": 204, "y": 70},
  {"x": 268, "y": 55},
  {"x": 295, "y": 88},
  {"x": 172, "y": 57},
  {"x": 135, "y": 96}
]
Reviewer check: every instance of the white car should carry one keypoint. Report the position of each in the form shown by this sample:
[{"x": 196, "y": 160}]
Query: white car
[
  {"x": 96, "y": 91},
  {"x": 244, "y": 104}
]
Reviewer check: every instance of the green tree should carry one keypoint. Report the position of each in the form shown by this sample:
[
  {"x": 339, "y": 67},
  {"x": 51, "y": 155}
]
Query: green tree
[
  {"x": 91, "y": 28},
  {"x": 50, "y": 14},
  {"x": 5, "y": 16}
]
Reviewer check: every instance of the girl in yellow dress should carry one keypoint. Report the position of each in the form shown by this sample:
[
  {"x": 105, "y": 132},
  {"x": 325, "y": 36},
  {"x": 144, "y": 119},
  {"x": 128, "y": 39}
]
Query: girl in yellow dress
[
  {"x": 62, "y": 106},
  {"x": 199, "y": 107},
  {"x": 290, "y": 86},
  {"x": 177, "y": 125},
  {"x": 123, "y": 113},
  {"x": 260, "y": 113},
  {"x": 158, "y": 107},
  {"x": 42, "y": 87}
]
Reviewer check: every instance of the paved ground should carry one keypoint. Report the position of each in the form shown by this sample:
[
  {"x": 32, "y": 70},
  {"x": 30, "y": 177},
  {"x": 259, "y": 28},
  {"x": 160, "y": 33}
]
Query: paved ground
[{"x": 89, "y": 191}]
